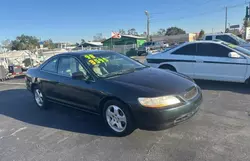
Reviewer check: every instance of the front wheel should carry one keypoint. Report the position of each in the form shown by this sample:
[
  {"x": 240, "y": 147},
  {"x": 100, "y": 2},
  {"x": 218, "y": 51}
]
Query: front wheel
[
  {"x": 39, "y": 97},
  {"x": 118, "y": 118}
]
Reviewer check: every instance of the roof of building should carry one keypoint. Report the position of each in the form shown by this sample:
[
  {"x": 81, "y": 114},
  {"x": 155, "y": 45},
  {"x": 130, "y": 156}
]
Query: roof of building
[
  {"x": 94, "y": 43},
  {"x": 133, "y": 36},
  {"x": 129, "y": 36}
]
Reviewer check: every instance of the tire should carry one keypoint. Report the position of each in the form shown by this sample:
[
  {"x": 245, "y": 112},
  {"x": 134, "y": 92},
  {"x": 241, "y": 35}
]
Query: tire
[
  {"x": 168, "y": 67},
  {"x": 116, "y": 114},
  {"x": 40, "y": 98}
]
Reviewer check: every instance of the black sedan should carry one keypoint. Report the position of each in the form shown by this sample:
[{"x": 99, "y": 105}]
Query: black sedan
[{"x": 126, "y": 93}]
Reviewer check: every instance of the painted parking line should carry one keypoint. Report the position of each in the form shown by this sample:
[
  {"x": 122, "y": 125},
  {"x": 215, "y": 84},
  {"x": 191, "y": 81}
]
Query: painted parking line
[{"x": 11, "y": 83}]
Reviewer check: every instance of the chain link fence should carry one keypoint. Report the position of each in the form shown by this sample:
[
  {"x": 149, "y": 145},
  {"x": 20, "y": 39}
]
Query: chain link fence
[{"x": 27, "y": 59}]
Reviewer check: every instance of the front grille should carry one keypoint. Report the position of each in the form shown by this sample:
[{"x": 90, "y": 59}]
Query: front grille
[{"x": 191, "y": 93}]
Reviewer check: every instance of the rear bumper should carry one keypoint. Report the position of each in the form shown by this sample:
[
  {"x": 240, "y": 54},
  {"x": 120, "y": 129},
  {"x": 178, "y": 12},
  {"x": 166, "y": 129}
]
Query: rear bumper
[{"x": 147, "y": 117}]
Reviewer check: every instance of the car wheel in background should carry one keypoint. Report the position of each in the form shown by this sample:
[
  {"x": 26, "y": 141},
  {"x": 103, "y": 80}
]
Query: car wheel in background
[
  {"x": 39, "y": 98},
  {"x": 168, "y": 67},
  {"x": 118, "y": 118}
]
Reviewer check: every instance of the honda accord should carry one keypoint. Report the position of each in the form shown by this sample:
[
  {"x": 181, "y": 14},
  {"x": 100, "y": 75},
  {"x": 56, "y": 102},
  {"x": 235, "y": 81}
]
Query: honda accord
[{"x": 126, "y": 93}]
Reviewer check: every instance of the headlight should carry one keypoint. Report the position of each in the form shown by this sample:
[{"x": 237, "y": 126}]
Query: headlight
[{"x": 158, "y": 102}]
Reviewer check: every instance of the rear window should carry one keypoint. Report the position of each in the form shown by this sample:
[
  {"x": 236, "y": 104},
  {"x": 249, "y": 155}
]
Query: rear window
[{"x": 209, "y": 38}]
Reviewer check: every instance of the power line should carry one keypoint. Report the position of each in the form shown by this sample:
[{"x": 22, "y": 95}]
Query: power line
[
  {"x": 200, "y": 14},
  {"x": 188, "y": 17},
  {"x": 181, "y": 8}
]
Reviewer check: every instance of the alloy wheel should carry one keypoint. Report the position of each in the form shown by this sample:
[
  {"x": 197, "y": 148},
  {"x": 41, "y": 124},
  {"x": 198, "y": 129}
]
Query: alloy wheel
[
  {"x": 116, "y": 118},
  {"x": 39, "y": 97}
]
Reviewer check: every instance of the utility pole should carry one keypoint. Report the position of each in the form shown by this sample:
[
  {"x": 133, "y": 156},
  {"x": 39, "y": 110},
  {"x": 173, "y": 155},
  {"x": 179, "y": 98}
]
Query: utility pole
[
  {"x": 148, "y": 18},
  {"x": 226, "y": 20}
]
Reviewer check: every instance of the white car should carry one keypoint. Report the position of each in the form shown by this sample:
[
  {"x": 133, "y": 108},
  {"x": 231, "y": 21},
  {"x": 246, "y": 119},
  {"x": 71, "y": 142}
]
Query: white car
[
  {"x": 229, "y": 38},
  {"x": 209, "y": 60}
]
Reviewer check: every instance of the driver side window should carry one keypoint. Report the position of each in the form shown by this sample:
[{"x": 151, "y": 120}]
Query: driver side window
[{"x": 69, "y": 65}]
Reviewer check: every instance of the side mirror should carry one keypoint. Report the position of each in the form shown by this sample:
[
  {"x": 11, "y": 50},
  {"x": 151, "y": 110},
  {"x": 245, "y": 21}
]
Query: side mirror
[
  {"x": 234, "y": 55},
  {"x": 78, "y": 76}
]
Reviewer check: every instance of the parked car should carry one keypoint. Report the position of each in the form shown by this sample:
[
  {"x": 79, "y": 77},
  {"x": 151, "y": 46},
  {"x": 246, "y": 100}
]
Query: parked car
[
  {"x": 210, "y": 60},
  {"x": 147, "y": 46},
  {"x": 126, "y": 93},
  {"x": 229, "y": 38}
]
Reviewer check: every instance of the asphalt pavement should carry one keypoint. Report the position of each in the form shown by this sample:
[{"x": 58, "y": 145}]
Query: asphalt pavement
[{"x": 219, "y": 131}]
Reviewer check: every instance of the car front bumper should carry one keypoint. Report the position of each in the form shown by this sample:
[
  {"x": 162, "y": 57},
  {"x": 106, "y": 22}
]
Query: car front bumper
[{"x": 147, "y": 117}]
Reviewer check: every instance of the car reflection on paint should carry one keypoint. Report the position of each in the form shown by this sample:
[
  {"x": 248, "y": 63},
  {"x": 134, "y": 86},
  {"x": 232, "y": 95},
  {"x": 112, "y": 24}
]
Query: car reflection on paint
[{"x": 126, "y": 93}]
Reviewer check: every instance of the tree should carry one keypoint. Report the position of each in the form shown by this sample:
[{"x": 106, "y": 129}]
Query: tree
[
  {"x": 25, "y": 42},
  {"x": 174, "y": 31},
  {"x": 122, "y": 32},
  {"x": 201, "y": 34},
  {"x": 6, "y": 44},
  {"x": 132, "y": 32},
  {"x": 161, "y": 32},
  {"x": 49, "y": 44},
  {"x": 98, "y": 38}
]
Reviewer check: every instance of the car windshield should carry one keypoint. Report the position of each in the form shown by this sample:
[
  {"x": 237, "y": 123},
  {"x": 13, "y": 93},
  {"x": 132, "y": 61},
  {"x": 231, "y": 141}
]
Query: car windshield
[
  {"x": 239, "y": 39},
  {"x": 238, "y": 48},
  {"x": 110, "y": 64}
]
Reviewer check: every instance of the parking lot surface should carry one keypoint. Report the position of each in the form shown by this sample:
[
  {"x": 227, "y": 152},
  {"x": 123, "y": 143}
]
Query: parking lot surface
[{"x": 219, "y": 131}]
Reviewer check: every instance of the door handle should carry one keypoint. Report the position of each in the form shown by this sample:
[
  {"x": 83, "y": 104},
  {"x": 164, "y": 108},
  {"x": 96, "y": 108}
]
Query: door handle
[{"x": 199, "y": 61}]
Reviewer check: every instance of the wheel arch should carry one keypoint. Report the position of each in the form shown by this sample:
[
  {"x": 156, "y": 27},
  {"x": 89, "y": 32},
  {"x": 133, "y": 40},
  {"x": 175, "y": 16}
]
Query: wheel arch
[
  {"x": 34, "y": 84},
  {"x": 167, "y": 65},
  {"x": 108, "y": 98}
]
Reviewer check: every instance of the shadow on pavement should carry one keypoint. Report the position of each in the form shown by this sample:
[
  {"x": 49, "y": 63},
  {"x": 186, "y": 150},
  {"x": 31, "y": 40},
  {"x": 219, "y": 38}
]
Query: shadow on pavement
[
  {"x": 19, "y": 104},
  {"x": 224, "y": 86}
]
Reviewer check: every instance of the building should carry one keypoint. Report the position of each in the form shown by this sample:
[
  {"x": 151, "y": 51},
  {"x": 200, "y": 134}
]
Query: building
[
  {"x": 91, "y": 44},
  {"x": 125, "y": 40},
  {"x": 176, "y": 38}
]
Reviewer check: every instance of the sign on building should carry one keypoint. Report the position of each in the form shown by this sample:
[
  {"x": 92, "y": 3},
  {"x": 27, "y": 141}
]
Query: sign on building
[
  {"x": 234, "y": 26},
  {"x": 248, "y": 33}
]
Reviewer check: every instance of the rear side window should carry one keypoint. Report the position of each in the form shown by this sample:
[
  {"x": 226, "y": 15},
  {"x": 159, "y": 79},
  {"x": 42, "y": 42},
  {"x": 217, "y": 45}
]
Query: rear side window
[
  {"x": 209, "y": 38},
  {"x": 51, "y": 66},
  {"x": 227, "y": 38},
  {"x": 210, "y": 49},
  {"x": 186, "y": 50}
]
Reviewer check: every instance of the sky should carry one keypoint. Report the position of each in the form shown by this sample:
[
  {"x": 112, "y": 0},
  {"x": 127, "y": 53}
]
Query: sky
[{"x": 73, "y": 20}]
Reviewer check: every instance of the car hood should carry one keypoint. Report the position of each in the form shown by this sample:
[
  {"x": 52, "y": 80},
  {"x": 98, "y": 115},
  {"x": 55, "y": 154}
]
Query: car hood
[{"x": 155, "y": 82}]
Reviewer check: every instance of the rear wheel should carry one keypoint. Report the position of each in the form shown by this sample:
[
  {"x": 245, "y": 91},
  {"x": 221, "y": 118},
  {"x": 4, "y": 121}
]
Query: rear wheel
[
  {"x": 118, "y": 118},
  {"x": 40, "y": 100}
]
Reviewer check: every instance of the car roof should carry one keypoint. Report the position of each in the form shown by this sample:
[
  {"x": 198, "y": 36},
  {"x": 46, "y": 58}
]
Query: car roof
[
  {"x": 203, "y": 41},
  {"x": 218, "y": 34},
  {"x": 80, "y": 53}
]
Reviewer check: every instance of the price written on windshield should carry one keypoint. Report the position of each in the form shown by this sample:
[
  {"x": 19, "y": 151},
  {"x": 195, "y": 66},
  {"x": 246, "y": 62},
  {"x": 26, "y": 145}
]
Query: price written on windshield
[{"x": 95, "y": 60}]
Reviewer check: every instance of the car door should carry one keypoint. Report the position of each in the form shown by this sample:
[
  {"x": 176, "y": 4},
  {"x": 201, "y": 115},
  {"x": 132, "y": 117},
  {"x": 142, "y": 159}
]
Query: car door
[
  {"x": 183, "y": 59},
  {"x": 48, "y": 78},
  {"x": 213, "y": 63},
  {"x": 77, "y": 93}
]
